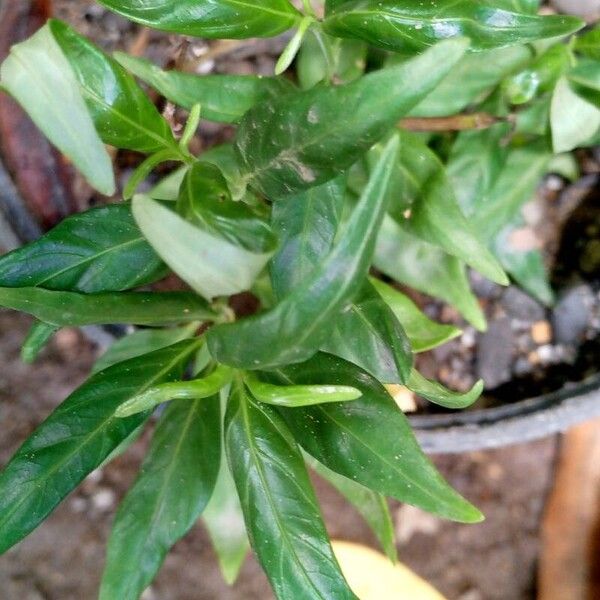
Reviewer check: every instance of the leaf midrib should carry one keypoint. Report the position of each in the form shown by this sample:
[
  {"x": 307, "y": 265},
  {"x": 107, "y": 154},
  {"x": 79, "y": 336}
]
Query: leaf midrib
[{"x": 6, "y": 517}]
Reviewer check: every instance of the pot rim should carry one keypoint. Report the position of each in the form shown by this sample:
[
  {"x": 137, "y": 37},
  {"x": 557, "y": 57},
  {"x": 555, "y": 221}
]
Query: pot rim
[{"x": 523, "y": 421}]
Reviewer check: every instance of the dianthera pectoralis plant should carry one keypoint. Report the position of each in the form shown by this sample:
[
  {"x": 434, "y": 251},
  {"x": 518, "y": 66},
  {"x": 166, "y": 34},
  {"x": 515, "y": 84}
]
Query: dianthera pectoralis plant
[{"x": 396, "y": 142}]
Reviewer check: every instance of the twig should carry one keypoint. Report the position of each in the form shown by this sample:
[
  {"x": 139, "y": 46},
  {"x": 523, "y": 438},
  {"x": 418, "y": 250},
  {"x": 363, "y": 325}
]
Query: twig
[{"x": 452, "y": 123}]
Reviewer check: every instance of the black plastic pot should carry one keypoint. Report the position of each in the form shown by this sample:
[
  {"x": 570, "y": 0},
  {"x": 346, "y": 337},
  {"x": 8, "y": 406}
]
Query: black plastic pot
[{"x": 522, "y": 421}]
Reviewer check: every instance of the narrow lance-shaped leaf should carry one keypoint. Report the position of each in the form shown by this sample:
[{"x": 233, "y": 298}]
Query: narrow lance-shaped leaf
[
  {"x": 65, "y": 309},
  {"x": 295, "y": 328},
  {"x": 39, "y": 77},
  {"x": 426, "y": 268},
  {"x": 280, "y": 509},
  {"x": 210, "y": 264},
  {"x": 369, "y": 440},
  {"x": 365, "y": 332},
  {"x": 224, "y": 98},
  {"x": 435, "y": 215},
  {"x": 407, "y": 26},
  {"x": 220, "y": 19},
  {"x": 208, "y": 385},
  {"x": 174, "y": 486},
  {"x": 76, "y": 438},
  {"x": 438, "y": 394},
  {"x": 306, "y": 139},
  {"x": 100, "y": 250},
  {"x": 369, "y": 335},
  {"x": 37, "y": 338},
  {"x": 224, "y": 520},
  {"x": 142, "y": 342},
  {"x": 123, "y": 115},
  {"x": 423, "y": 333},
  {"x": 307, "y": 225},
  {"x": 372, "y": 506},
  {"x": 298, "y": 395}
]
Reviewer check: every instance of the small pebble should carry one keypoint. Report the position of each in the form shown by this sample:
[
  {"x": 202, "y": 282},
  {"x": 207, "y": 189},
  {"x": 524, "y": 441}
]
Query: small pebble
[
  {"x": 541, "y": 332},
  {"x": 104, "y": 499}
]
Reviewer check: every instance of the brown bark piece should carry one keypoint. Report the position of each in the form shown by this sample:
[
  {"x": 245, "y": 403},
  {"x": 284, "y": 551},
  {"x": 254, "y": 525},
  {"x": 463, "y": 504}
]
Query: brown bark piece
[
  {"x": 570, "y": 558},
  {"x": 41, "y": 175}
]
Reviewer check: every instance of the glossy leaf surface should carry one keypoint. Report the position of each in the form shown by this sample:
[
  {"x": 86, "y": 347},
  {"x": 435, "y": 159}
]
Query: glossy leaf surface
[
  {"x": 435, "y": 215},
  {"x": 369, "y": 440},
  {"x": 306, "y": 225},
  {"x": 372, "y": 506},
  {"x": 369, "y": 335},
  {"x": 174, "y": 486},
  {"x": 142, "y": 342},
  {"x": 123, "y": 115},
  {"x": 295, "y": 328},
  {"x": 38, "y": 337},
  {"x": 407, "y": 26},
  {"x": 205, "y": 201},
  {"x": 293, "y": 396},
  {"x": 280, "y": 509},
  {"x": 138, "y": 308},
  {"x": 224, "y": 98},
  {"x": 229, "y": 19},
  {"x": 40, "y": 78},
  {"x": 288, "y": 145},
  {"x": 210, "y": 264},
  {"x": 408, "y": 260},
  {"x": 100, "y": 250},
  {"x": 423, "y": 333},
  {"x": 76, "y": 438},
  {"x": 438, "y": 394}
]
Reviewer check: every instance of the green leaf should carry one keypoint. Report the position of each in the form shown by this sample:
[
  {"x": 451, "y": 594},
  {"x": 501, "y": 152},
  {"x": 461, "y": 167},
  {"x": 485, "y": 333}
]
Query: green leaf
[
  {"x": 473, "y": 77},
  {"x": 76, "y": 438},
  {"x": 291, "y": 50},
  {"x": 438, "y": 394},
  {"x": 229, "y": 19},
  {"x": 369, "y": 440},
  {"x": 174, "y": 486},
  {"x": 588, "y": 43},
  {"x": 423, "y": 333},
  {"x": 540, "y": 76},
  {"x": 306, "y": 225},
  {"x": 574, "y": 120},
  {"x": 224, "y": 520},
  {"x": 301, "y": 141},
  {"x": 142, "y": 342},
  {"x": 435, "y": 215},
  {"x": 123, "y": 115},
  {"x": 280, "y": 509},
  {"x": 100, "y": 250},
  {"x": 224, "y": 98},
  {"x": 37, "y": 338},
  {"x": 475, "y": 162},
  {"x": 406, "y": 26},
  {"x": 210, "y": 264},
  {"x": 424, "y": 267},
  {"x": 368, "y": 334},
  {"x": 372, "y": 506},
  {"x": 526, "y": 267},
  {"x": 294, "y": 396},
  {"x": 325, "y": 58},
  {"x": 585, "y": 81},
  {"x": 39, "y": 77},
  {"x": 296, "y": 327},
  {"x": 138, "y": 308},
  {"x": 196, "y": 389},
  {"x": 205, "y": 201},
  {"x": 522, "y": 172}
]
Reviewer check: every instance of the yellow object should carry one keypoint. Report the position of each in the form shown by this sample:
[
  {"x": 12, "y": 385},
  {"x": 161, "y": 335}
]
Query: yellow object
[{"x": 373, "y": 577}]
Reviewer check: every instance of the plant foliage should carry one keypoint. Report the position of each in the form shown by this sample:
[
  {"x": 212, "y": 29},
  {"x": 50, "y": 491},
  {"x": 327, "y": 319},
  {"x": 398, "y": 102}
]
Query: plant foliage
[{"x": 323, "y": 181}]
